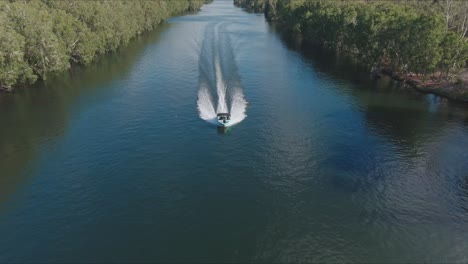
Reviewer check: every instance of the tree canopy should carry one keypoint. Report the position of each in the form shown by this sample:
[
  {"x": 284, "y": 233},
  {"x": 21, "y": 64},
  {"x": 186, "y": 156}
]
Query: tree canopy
[
  {"x": 38, "y": 37},
  {"x": 421, "y": 37}
]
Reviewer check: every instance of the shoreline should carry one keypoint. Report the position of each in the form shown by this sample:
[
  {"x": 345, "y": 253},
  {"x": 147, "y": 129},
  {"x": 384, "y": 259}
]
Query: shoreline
[
  {"x": 449, "y": 90},
  {"x": 452, "y": 91},
  {"x": 4, "y": 89},
  {"x": 68, "y": 61}
]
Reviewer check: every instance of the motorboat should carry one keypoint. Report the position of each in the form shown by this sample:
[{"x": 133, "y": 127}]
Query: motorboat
[{"x": 224, "y": 119}]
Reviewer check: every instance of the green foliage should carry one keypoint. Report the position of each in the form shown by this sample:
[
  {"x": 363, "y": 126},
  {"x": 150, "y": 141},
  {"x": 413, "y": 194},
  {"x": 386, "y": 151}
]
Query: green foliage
[
  {"x": 13, "y": 67},
  {"x": 407, "y": 36},
  {"x": 38, "y": 37},
  {"x": 43, "y": 50},
  {"x": 254, "y": 6}
]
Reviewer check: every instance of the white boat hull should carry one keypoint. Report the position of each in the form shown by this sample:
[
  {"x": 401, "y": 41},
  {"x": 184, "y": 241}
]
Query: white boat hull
[
  {"x": 224, "y": 119},
  {"x": 224, "y": 123}
]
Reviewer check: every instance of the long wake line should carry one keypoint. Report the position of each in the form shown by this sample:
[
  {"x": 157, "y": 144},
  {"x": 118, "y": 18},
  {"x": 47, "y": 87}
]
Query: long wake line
[{"x": 235, "y": 98}]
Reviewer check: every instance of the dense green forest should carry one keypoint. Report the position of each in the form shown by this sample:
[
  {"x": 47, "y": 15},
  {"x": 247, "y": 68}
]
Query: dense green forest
[
  {"x": 38, "y": 37},
  {"x": 427, "y": 39}
]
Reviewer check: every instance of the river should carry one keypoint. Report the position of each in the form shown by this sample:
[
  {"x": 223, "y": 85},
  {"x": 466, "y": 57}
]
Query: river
[{"x": 120, "y": 161}]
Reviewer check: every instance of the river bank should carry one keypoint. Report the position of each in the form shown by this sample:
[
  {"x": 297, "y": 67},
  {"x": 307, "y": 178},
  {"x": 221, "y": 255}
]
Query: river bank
[
  {"x": 6, "y": 89},
  {"x": 111, "y": 162},
  {"x": 457, "y": 91},
  {"x": 42, "y": 38},
  {"x": 391, "y": 39},
  {"x": 453, "y": 90}
]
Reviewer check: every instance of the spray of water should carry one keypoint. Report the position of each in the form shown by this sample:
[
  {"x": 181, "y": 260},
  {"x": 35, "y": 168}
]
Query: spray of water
[
  {"x": 229, "y": 92},
  {"x": 220, "y": 88},
  {"x": 238, "y": 106},
  {"x": 205, "y": 105}
]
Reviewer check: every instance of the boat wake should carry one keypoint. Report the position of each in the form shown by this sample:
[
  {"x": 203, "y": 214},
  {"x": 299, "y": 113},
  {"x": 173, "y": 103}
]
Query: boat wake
[{"x": 219, "y": 80}]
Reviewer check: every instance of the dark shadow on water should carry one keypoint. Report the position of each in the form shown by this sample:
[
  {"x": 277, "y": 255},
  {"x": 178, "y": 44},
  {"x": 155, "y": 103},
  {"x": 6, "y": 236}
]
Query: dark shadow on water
[
  {"x": 223, "y": 130},
  {"x": 35, "y": 116},
  {"x": 409, "y": 122},
  {"x": 389, "y": 108}
]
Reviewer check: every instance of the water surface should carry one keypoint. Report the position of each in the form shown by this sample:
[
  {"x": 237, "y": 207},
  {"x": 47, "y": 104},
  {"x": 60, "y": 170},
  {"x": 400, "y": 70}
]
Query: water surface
[{"x": 113, "y": 162}]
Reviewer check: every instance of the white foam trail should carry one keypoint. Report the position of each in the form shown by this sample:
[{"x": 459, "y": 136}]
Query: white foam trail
[
  {"x": 220, "y": 88},
  {"x": 238, "y": 106},
  {"x": 205, "y": 105},
  {"x": 220, "y": 84}
]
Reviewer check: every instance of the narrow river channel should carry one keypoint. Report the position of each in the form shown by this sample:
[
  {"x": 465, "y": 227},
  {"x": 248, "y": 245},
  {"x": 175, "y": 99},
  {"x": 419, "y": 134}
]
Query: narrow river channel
[{"x": 121, "y": 162}]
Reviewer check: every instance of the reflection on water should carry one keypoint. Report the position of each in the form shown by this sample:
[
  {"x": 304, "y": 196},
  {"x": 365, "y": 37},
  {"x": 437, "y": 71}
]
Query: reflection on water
[
  {"x": 389, "y": 108},
  {"x": 111, "y": 163},
  {"x": 34, "y": 118}
]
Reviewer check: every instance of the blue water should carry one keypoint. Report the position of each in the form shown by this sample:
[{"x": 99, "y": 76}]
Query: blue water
[{"x": 113, "y": 162}]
